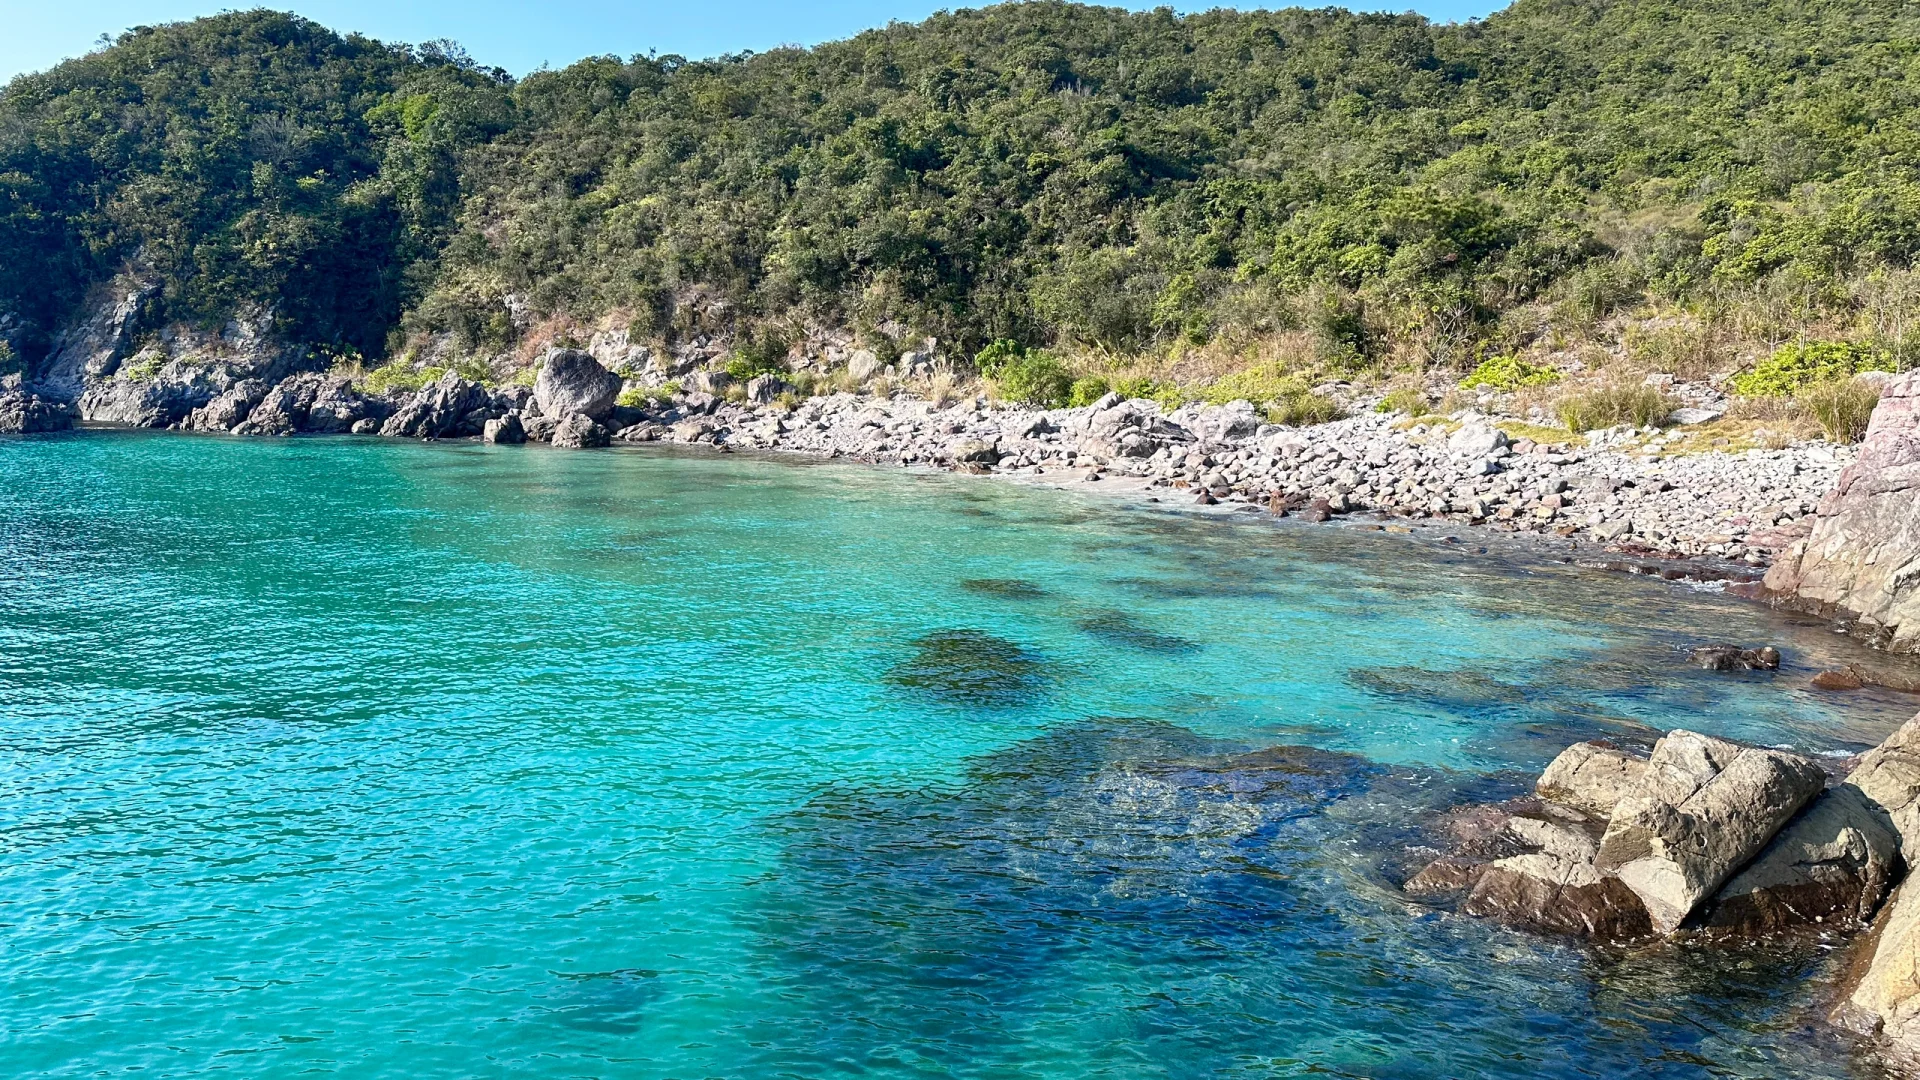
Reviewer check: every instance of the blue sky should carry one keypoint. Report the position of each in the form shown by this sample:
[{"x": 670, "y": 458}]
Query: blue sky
[{"x": 521, "y": 35}]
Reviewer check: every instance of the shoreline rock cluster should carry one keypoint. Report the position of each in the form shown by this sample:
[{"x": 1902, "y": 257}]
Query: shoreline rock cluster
[
  {"x": 1710, "y": 840},
  {"x": 1746, "y": 507}
]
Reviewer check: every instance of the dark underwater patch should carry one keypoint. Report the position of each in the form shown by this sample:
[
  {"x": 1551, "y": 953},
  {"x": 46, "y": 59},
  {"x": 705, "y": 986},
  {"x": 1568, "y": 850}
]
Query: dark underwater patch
[
  {"x": 972, "y": 667},
  {"x": 1005, "y": 588},
  {"x": 1120, "y": 628}
]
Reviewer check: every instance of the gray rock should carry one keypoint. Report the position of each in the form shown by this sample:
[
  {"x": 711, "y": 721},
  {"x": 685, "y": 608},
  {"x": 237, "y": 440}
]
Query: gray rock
[
  {"x": 228, "y": 408},
  {"x": 1889, "y": 777},
  {"x": 572, "y": 381},
  {"x": 1829, "y": 867},
  {"x": 1476, "y": 440},
  {"x": 437, "y": 410},
  {"x": 578, "y": 431},
  {"x": 1705, "y": 806},
  {"x": 1592, "y": 777},
  {"x": 337, "y": 406},
  {"x": 23, "y": 413},
  {"x": 762, "y": 389},
  {"x": 862, "y": 365},
  {"x": 975, "y": 452},
  {"x": 506, "y": 430},
  {"x": 1735, "y": 658},
  {"x": 1615, "y": 529},
  {"x": 539, "y": 428}
]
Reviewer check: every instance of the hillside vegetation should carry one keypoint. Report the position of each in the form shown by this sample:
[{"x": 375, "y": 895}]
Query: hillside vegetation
[{"x": 1685, "y": 186}]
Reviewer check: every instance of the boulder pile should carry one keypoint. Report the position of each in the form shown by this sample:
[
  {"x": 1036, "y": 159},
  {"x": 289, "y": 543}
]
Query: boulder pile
[{"x": 1713, "y": 840}]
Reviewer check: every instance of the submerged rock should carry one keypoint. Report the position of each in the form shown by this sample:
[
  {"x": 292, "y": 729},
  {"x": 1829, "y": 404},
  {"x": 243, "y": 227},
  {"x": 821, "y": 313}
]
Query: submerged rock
[
  {"x": 1704, "y": 807},
  {"x": 1009, "y": 588},
  {"x": 971, "y": 667}
]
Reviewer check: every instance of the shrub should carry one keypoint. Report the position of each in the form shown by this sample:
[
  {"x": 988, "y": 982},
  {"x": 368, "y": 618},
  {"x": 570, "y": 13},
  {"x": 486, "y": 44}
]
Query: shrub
[
  {"x": 1263, "y": 383},
  {"x": 1304, "y": 408},
  {"x": 1610, "y": 406},
  {"x": 1795, "y": 366},
  {"x": 1407, "y": 400},
  {"x": 1841, "y": 408},
  {"x": 1087, "y": 391},
  {"x": 1507, "y": 372},
  {"x": 1030, "y": 376},
  {"x": 400, "y": 376}
]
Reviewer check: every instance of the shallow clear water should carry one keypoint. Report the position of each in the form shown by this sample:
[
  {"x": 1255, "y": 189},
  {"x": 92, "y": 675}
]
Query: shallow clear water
[{"x": 389, "y": 759}]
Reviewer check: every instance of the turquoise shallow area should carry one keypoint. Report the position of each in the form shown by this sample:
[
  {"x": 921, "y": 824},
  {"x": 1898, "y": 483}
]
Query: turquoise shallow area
[{"x": 383, "y": 759}]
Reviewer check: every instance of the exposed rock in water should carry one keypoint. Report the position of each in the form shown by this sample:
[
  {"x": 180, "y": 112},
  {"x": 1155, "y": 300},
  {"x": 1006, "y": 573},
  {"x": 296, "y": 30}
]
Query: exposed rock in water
[
  {"x": 572, "y": 381},
  {"x": 227, "y": 408},
  {"x": 1705, "y": 806},
  {"x": 1591, "y": 776},
  {"x": 577, "y": 431},
  {"x": 506, "y": 430},
  {"x": 1830, "y": 866},
  {"x": 1555, "y": 894},
  {"x": 1889, "y": 776},
  {"x": 22, "y": 412},
  {"x": 1863, "y": 557},
  {"x": 971, "y": 667},
  {"x": 1880, "y": 994},
  {"x": 1735, "y": 658},
  {"x": 439, "y": 409}
]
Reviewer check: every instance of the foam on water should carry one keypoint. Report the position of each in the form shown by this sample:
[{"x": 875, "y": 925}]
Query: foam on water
[{"x": 386, "y": 759}]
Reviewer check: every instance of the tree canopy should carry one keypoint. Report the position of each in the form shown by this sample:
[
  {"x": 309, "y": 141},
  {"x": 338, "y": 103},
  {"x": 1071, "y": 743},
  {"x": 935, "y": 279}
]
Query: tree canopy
[{"x": 1044, "y": 172}]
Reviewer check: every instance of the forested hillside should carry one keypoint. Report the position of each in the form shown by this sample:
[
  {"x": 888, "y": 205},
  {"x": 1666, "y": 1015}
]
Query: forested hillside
[{"x": 1376, "y": 191}]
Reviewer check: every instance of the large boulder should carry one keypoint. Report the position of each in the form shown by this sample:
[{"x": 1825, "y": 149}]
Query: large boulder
[
  {"x": 1829, "y": 867},
  {"x": 337, "y": 406},
  {"x": 572, "y": 381},
  {"x": 1551, "y": 892},
  {"x": 507, "y": 430},
  {"x": 285, "y": 409},
  {"x": 439, "y": 409},
  {"x": 1591, "y": 776},
  {"x": 1862, "y": 559},
  {"x": 1704, "y": 807}
]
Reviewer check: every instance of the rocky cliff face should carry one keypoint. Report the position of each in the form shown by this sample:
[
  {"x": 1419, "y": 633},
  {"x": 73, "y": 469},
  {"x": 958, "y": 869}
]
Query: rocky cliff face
[{"x": 1862, "y": 560}]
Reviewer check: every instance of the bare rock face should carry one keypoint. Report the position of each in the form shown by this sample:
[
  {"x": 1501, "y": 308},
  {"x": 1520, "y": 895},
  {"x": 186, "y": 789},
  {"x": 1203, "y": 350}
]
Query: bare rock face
[
  {"x": 572, "y": 381},
  {"x": 94, "y": 347},
  {"x": 1863, "y": 557},
  {"x": 1550, "y": 893},
  {"x": 579, "y": 432},
  {"x": 1704, "y": 807},
  {"x": 439, "y": 409},
  {"x": 505, "y": 431},
  {"x": 1889, "y": 776},
  {"x": 1830, "y": 867},
  {"x": 1591, "y": 776},
  {"x": 1882, "y": 992}
]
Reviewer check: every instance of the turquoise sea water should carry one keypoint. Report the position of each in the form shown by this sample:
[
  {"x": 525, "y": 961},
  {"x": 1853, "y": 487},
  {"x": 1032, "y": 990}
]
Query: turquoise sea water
[{"x": 382, "y": 759}]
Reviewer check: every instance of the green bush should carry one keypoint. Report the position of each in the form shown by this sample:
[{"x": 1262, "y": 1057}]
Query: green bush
[
  {"x": 1800, "y": 364},
  {"x": 765, "y": 355},
  {"x": 1304, "y": 408},
  {"x": 1841, "y": 408},
  {"x": 1611, "y": 406},
  {"x": 1086, "y": 391},
  {"x": 1029, "y": 376},
  {"x": 1507, "y": 372},
  {"x": 1407, "y": 400},
  {"x": 400, "y": 376}
]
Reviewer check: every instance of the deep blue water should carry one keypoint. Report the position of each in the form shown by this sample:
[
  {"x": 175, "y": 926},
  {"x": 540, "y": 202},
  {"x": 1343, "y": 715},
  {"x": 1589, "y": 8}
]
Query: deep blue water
[{"x": 385, "y": 759}]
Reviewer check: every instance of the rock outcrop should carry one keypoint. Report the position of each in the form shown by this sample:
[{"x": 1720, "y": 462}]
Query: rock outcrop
[
  {"x": 1889, "y": 776},
  {"x": 444, "y": 407},
  {"x": 22, "y": 412},
  {"x": 1830, "y": 866},
  {"x": 579, "y": 432},
  {"x": 1881, "y": 995},
  {"x": 572, "y": 381},
  {"x": 1704, "y": 807},
  {"x": 1862, "y": 560},
  {"x": 1556, "y": 893}
]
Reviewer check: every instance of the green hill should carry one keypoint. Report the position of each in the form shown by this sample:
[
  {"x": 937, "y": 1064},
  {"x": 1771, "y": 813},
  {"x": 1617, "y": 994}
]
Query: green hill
[{"x": 1369, "y": 191}]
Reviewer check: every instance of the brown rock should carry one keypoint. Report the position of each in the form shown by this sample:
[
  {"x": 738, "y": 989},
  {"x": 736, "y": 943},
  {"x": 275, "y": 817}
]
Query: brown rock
[
  {"x": 1863, "y": 556},
  {"x": 1831, "y": 866},
  {"x": 1447, "y": 876},
  {"x": 1845, "y": 679},
  {"x": 1550, "y": 894},
  {"x": 1881, "y": 989}
]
